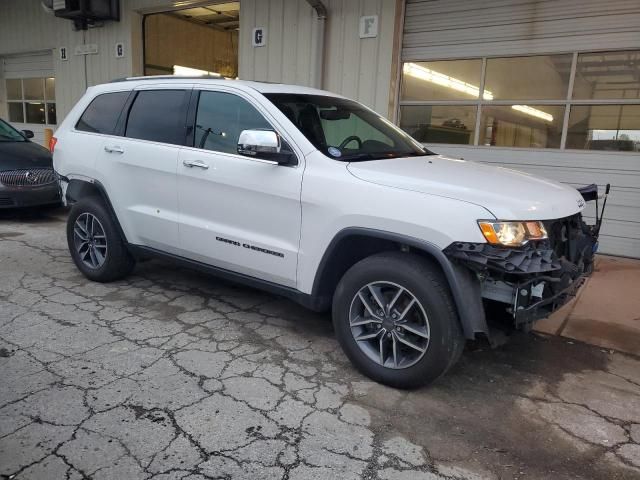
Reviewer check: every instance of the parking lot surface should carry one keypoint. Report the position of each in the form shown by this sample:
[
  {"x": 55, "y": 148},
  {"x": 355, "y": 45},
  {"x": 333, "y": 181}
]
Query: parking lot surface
[{"x": 171, "y": 374}]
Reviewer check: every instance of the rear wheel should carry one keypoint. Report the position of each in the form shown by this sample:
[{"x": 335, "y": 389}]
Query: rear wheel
[
  {"x": 394, "y": 318},
  {"x": 95, "y": 244}
]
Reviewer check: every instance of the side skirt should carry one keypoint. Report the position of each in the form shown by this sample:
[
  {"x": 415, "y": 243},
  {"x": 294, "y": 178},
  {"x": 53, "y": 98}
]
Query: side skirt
[{"x": 304, "y": 299}]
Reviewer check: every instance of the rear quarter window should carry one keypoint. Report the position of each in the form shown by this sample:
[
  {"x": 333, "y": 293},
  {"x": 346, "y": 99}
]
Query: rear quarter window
[{"x": 101, "y": 116}]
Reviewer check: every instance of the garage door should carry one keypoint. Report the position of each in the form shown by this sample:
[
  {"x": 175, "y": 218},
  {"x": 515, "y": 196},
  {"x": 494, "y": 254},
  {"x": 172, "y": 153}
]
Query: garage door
[
  {"x": 551, "y": 88},
  {"x": 30, "y": 92}
]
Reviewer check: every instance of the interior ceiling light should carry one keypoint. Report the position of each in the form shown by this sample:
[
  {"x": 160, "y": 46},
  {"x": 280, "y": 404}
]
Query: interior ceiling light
[
  {"x": 534, "y": 112},
  {"x": 438, "y": 78},
  {"x": 181, "y": 71}
]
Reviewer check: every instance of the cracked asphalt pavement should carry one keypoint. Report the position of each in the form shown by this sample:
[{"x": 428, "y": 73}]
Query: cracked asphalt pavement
[{"x": 171, "y": 374}]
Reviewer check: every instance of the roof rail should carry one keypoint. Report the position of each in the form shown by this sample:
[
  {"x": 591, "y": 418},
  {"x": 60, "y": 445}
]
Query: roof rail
[{"x": 169, "y": 77}]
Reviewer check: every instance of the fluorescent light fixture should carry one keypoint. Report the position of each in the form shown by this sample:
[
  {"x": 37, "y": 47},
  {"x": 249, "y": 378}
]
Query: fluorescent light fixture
[
  {"x": 181, "y": 71},
  {"x": 534, "y": 112},
  {"x": 428, "y": 75}
]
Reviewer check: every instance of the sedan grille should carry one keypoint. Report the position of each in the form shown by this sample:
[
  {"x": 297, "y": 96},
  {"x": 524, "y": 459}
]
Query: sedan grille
[{"x": 32, "y": 177}]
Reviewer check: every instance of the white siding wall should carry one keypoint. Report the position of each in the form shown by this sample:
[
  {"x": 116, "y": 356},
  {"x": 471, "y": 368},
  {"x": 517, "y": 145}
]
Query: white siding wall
[
  {"x": 439, "y": 29},
  {"x": 354, "y": 67},
  {"x": 25, "y": 27}
]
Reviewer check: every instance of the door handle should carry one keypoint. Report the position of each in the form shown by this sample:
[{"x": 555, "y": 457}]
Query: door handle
[
  {"x": 195, "y": 163},
  {"x": 114, "y": 149}
]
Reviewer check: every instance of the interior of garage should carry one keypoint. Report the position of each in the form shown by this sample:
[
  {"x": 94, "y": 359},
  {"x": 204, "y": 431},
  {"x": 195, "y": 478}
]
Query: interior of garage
[{"x": 204, "y": 39}]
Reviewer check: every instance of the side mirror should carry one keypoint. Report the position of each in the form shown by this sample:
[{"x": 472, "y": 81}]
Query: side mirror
[
  {"x": 27, "y": 133},
  {"x": 265, "y": 145}
]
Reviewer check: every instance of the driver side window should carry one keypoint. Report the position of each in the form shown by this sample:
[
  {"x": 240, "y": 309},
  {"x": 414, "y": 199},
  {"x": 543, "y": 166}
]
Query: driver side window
[{"x": 220, "y": 119}]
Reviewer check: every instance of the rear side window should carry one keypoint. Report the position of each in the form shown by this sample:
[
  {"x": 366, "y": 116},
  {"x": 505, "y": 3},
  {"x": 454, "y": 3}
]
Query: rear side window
[
  {"x": 159, "y": 116},
  {"x": 101, "y": 116}
]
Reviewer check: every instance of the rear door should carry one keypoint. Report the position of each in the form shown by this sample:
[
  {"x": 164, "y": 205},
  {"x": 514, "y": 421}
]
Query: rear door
[
  {"x": 236, "y": 212},
  {"x": 138, "y": 168}
]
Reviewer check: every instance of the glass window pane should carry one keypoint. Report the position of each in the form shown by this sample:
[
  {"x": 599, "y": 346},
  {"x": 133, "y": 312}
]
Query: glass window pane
[
  {"x": 35, "y": 112},
  {"x": 439, "y": 123},
  {"x": 442, "y": 80},
  {"x": 50, "y": 88},
  {"x": 526, "y": 126},
  {"x": 51, "y": 114},
  {"x": 33, "y": 88},
  {"x": 220, "y": 119},
  {"x": 14, "y": 89},
  {"x": 102, "y": 113},
  {"x": 158, "y": 116},
  {"x": 16, "y": 113},
  {"x": 607, "y": 75},
  {"x": 543, "y": 77},
  {"x": 604, "y": 127}
]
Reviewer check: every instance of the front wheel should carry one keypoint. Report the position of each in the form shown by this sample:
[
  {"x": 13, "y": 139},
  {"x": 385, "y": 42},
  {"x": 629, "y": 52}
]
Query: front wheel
[{"x": 395, "y": 320}]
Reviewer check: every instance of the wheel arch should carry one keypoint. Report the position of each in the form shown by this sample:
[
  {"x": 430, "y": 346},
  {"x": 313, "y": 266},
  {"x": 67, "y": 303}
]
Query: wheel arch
[
  {"x": 353, "y": 244},
  {"x": 78, "y": 189}
]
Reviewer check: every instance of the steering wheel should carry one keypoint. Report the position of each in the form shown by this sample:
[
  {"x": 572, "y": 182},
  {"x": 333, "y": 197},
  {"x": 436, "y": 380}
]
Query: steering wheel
[{"x": 350, "y": 138}]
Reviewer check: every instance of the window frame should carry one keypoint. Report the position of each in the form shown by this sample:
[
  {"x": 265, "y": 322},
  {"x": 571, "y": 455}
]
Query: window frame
[
  {"x": 23, "y": 102},
  {"x": 123, "y": 119},
  {"x": 567, "y": 102},
  {"x": 266, "y": 114},
  {"x": 118, "y": 128}
]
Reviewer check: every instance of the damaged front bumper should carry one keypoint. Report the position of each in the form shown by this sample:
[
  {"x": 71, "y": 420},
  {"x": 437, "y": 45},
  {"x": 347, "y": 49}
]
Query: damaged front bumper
[{"x": 530, "y": 282}]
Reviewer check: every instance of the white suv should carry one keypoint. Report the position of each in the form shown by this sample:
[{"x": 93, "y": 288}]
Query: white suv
[{"x": 315, "y": 197}]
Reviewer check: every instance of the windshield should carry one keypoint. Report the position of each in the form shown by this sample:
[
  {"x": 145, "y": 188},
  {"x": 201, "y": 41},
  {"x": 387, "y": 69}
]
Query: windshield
[
  {"x": 10, "y": 134},
  {"x": 345, "y": 130}
]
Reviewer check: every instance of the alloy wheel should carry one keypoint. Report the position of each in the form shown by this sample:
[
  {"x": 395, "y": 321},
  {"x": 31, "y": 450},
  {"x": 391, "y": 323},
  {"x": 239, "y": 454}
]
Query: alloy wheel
[
  {"x": 90, "y": 240},
  {"x": 389, "y": 324}
]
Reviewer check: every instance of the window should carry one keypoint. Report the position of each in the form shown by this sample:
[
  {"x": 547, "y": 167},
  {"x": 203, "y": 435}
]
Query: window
[
  {"x": 158, "y": 116},
  {"x": 542, "y": 77},
  {"x": 9, "y": 134},
  {"x": 439, "y": 123},
  {"x": 607, "y": 75},
  {"x": 526, "y": 126},
  {"x": 343, "y": 129},
  {"x": 221, "y": 118},
  {"x": 448, "y": 80},
  {"x": 570, "y": 100},
  {"x": 604, "y": 127},
  {"x": 32, "y": 100},
  {"x": 102, "y": 113}
]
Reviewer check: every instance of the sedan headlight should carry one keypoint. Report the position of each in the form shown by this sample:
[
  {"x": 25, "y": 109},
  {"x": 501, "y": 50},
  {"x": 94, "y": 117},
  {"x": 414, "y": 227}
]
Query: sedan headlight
[{"x": 512, "y": 234}]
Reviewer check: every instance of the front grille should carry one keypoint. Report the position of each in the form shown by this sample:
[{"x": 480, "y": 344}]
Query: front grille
[
  {"x": 32, "y": 177},
  {"x": 6, "y": 201}
]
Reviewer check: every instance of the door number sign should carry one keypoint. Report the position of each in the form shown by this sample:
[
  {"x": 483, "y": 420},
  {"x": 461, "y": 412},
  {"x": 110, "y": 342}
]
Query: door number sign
[{"x": 259, "y": 37}]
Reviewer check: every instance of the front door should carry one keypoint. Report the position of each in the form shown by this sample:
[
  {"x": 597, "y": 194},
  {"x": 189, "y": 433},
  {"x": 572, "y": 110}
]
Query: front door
[{"x": 237, "y": 213}]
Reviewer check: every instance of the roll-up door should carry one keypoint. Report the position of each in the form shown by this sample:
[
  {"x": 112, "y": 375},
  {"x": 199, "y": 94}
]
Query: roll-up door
[{"x": 550, "y": 88}]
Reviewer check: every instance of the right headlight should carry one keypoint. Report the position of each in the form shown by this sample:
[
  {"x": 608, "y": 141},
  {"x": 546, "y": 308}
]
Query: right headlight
[{"x": 512, "y": 234}]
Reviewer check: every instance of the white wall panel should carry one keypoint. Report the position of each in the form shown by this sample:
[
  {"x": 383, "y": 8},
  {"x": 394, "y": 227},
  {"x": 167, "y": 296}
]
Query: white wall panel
[{"x": 354, "y": 67}]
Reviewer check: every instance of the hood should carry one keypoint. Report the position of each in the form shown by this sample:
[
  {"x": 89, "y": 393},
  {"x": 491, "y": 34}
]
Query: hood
[
  {"x": 506, "y": 193},
  {"x": 15, "y": 155}
]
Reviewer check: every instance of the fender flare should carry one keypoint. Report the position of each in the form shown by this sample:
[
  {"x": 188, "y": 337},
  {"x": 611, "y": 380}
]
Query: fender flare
[
  {"x": 464, "y": 286},
  {"x": 77, "y": 189}
]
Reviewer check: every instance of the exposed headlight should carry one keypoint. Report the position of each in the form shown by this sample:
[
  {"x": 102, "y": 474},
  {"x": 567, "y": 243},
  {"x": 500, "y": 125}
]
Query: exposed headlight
[{"x": 512, "y": 234}]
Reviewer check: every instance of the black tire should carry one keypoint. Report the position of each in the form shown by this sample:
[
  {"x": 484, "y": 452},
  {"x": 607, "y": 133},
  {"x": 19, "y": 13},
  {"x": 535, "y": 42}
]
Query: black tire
[
  {"x": 118, "y": 262},
  {"x": 428, "y": 286}
]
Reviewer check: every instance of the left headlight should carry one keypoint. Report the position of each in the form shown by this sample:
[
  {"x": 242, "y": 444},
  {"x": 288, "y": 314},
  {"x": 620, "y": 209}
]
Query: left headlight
[{"x": 512, "y": 234}]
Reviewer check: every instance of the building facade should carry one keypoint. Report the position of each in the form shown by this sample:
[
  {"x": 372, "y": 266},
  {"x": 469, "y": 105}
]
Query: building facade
[{"x": 550, "y": 88}]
